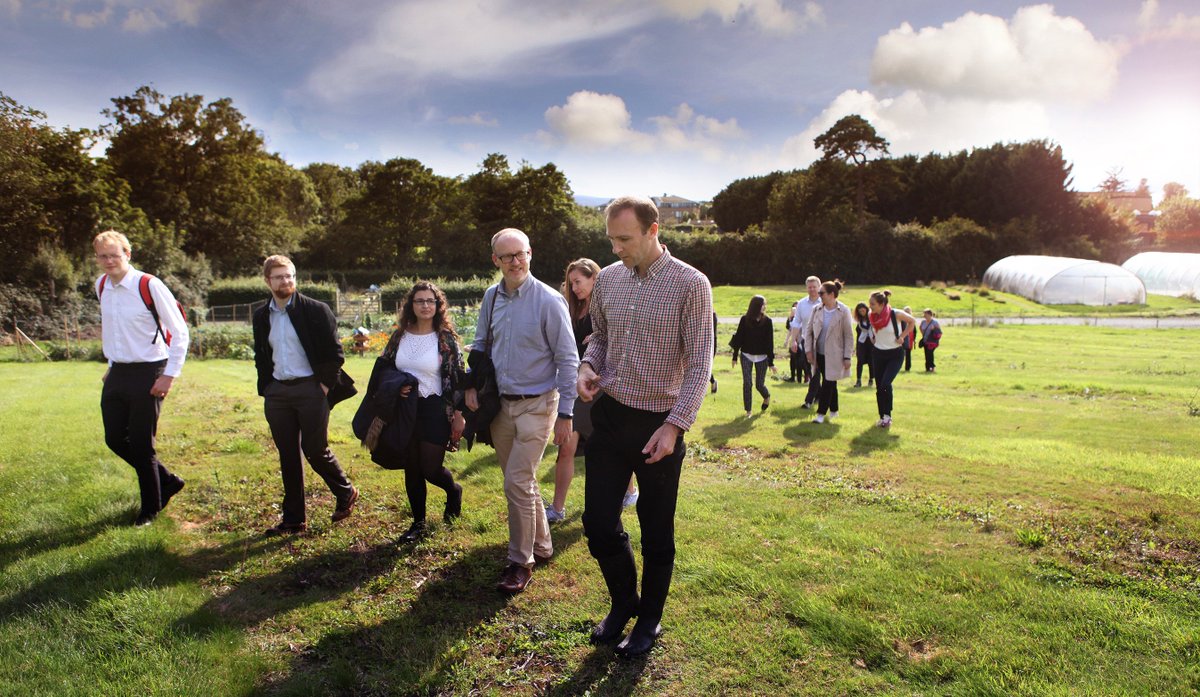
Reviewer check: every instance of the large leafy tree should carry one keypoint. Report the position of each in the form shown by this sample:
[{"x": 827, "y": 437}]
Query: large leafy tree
[
  {"x": 744, "y": 203},
  {"x": 853, "y": 140},
  {"x": 202, "y": 168}
]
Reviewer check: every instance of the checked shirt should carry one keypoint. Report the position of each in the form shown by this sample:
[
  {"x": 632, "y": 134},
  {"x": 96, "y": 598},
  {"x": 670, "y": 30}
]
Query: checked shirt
[{"x": 653, "y": 337}]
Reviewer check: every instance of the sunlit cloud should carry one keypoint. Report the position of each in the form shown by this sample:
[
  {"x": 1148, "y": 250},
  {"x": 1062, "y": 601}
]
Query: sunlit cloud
[{"x": 476, "y": 119}]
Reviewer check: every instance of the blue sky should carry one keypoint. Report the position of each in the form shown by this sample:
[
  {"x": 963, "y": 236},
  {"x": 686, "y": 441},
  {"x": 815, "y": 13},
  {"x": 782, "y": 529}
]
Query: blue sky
[{"x": 638, "y": 96}]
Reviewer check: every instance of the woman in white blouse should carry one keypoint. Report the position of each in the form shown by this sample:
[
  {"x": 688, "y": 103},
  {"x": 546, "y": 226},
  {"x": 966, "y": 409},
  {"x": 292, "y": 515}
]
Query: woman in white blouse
[{"x": 426, "y": 346}]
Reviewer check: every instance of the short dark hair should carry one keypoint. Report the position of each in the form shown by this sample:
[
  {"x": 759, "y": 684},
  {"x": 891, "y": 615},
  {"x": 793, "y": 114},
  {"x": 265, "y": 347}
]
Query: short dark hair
[{"x": 642, "y": 207}]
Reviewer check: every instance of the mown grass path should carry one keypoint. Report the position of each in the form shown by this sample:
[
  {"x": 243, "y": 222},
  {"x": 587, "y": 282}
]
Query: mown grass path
[{"x": 1028, "y": 526}]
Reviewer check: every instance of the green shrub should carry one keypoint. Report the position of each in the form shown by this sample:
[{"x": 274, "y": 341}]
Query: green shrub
[
  {"x": 74, "y": 351},
  {"x": 211, "y": 341},
  {"x": 458, "y": 291},
  {"x": 251, "y": 289}
]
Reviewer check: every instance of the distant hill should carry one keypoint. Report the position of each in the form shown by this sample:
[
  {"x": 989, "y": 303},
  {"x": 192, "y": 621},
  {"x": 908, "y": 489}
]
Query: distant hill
[{"x": 592, "y": 200}]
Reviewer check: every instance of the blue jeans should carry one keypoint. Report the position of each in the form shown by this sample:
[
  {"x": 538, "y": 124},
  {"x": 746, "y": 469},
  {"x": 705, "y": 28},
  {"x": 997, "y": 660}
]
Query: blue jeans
[
  {"x": 760, "y": 377},
  {"x": 886, "y": 365}
]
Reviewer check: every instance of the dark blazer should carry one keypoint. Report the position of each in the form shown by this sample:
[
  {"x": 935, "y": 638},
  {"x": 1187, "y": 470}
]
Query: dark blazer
[{"x": 317, "y": 329}]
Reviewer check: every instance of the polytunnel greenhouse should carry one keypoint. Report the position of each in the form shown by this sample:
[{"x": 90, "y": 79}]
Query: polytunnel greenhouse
[
  {"x": 1167, "y": 273},
  {"x": 1065, "y": 281}
]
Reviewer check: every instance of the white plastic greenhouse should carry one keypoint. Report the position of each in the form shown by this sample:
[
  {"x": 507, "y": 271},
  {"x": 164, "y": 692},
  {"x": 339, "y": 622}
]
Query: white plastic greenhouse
[
  {"x": 1167, "y": 273},
  {"x": 1065, "y": 281}
]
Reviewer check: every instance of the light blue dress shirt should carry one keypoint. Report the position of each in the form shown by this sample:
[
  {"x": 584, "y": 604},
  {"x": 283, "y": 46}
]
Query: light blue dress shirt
[{"x": 286, "y": 351}]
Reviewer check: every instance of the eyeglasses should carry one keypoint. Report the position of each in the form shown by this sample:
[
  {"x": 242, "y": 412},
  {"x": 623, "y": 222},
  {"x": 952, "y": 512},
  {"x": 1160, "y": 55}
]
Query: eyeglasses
[
  {"x": 424, "y": 301},
  {"x": 510, "y": 258},
  {"x": 283, "y": 277},
  {"x": 109, "y": 257},
  {"x": 820, "y": 292}
]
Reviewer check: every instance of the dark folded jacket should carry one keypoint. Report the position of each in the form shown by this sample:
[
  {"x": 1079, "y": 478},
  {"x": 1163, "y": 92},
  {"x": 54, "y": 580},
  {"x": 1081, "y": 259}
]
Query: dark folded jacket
[
  {"x": 391, "y": 417},
  {"x": 482, "y": 376}
]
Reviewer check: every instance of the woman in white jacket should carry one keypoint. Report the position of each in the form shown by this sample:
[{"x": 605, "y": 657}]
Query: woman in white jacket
[{"x": 829, "y": 344}]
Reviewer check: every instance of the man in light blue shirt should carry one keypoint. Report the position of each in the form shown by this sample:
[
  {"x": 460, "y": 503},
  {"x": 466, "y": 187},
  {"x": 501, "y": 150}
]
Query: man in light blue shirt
[{"x": 533, "y": 349}]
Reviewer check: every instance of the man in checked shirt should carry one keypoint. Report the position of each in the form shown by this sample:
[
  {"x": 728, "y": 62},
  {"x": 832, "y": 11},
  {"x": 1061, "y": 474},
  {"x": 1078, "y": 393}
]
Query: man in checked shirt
[{"x": 647, "y": 369}]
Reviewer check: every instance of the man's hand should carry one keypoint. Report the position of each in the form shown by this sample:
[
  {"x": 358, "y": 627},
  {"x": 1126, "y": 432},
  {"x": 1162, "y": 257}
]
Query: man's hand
[
  {"x": 662, "y": 443},
  {"x": 562, "y": 430},
  {"x": 404, "y": 391},
  {"x": 161, "y": 386},
  {"x": 811, "y": 358},
  {"x": 324, "y": 389},
  {"x": 471, "y": 396},
  {"x": 588, "y": 383}
]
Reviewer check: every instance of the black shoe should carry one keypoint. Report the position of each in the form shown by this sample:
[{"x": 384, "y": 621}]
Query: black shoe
[
  {"x": 789, "y": 379},
  {"x": 344, "y": 508},
  {"x": 766, "y": 403},
  {"x": 713, "y": 382},
  {"x": 144, "y": 519},
  {"x": 620, "y": 576},
  {"x": 453, "y": 504},
  {"x": 640, "y": 640},
  {"x": 170, "y": 489},
  {"x": 806, "y": 405},
  {"x": 414, "y": 532},
  {"x": 285, "y": 529}
]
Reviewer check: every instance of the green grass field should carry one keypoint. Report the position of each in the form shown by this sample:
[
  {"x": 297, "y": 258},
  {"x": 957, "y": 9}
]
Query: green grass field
[
  {"x": 1028, "y": 526},
  {"x": 731, "y": 301}
]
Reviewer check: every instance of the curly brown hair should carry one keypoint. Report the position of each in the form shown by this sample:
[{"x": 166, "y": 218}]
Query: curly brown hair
[{"x": 442, "y": 321}]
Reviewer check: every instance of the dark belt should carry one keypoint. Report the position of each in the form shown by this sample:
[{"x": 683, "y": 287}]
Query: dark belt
[
  {"x": 519, "y": 397},
  {"x": 297, "y": 381}
]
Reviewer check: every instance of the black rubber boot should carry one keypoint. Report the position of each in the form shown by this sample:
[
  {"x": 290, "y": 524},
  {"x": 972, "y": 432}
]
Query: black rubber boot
[
  {"x": 620, "y": 575},
  {"x": 656, "y": 583}
]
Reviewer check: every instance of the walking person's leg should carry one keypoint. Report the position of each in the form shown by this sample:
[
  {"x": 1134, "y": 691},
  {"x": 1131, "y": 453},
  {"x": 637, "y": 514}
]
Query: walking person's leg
[
  {"x": 747, "y": 367},
  {"x": 760, "y": 383}
]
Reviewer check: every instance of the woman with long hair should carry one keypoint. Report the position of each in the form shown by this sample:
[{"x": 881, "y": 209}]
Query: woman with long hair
[
  {"x": 426, "y": 346},
  {"x": 829, "y": 343},
  {"x": 890, "y": 329},
  {"x": 862, "y": 334},
  {"x": 577, "y": 287},
  {"x": 755, "y": 339}
]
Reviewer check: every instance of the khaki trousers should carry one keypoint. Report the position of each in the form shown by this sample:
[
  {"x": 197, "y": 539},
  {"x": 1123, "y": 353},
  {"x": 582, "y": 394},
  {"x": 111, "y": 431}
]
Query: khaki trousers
[{"x": 520, "y": 433}]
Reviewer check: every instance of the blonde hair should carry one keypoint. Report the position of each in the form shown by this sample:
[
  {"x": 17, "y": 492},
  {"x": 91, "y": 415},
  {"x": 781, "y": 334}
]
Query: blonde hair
[{"x": 114, "y": 237}]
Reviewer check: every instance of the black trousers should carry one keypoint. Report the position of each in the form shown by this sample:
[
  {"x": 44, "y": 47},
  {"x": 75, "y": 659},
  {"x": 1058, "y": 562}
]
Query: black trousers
[
  {"x": 130, "y": 415},
  {"x": 863, "y": 353},
  {"x": 614, "y": 453},
  {"x": 299, "y": 419},
  {"x": 907, "y": 359},
  {"x": 760, "y": 380},
  {"x": 827, "y": 396},
  {"x": 887, "y": 366},
  {"x": 427, "y": 455},
  {"x": 929, "y": 365}
]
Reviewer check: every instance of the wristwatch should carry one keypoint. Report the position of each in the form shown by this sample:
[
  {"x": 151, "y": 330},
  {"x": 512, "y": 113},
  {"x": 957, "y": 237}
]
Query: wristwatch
[{"x": 564, "y": 416}]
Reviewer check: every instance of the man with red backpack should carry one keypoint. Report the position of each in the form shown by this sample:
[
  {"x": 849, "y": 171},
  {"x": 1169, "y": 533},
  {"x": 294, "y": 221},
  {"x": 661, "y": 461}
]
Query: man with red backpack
[{"x": 145, "y": 339}]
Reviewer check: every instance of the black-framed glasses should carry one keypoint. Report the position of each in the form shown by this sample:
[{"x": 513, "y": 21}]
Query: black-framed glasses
[
  {"x": 510, "y": 258},
  {"x": 424, "y": 301}
]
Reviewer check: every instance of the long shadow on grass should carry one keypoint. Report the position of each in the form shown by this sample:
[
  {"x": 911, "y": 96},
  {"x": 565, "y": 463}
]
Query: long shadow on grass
[
  {"x": 872, "y": 439},
  {"x": 413, "y": 652},
  {"x": 143, "y": 567},
  {"x": 802, "y": 430},
  {"x": 49, "y": 540},
  {"x": 719, "y": 435}
]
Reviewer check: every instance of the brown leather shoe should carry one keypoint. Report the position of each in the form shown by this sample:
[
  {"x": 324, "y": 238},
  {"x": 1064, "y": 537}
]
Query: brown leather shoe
[
  {"x": 285, "y": 529},
  {"x": 344, "y": 510},
  {"x": 514, "y": 579}
]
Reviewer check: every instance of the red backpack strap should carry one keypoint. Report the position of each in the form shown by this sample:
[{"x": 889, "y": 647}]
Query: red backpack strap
[
  {"x": 148, "y": 300},
  {"x": 100, "y": 288}
]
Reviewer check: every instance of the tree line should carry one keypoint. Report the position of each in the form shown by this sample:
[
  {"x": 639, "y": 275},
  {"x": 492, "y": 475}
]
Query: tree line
[{"x": 192, "y": 185}]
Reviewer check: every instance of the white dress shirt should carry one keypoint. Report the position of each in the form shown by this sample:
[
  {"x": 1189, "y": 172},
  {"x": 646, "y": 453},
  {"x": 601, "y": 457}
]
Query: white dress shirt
[{"x": 127, "y": 328}]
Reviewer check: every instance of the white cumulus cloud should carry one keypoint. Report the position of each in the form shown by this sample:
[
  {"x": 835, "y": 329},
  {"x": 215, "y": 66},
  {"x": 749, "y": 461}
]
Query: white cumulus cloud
[
  {"x": 1181, "y": 26},
  {"x": 593, "y": 121},
  {"x": 1035, "y": 55},
  {"x": 142, "y": 21}
]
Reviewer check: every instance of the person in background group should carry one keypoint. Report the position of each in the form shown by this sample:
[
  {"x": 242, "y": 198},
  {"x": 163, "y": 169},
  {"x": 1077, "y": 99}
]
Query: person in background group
[
  {"x": 426, "y": 346},
  {"x": 794, "y": 360},
  {"x": 577, "y": 288},
  {"x": 891, "y": 328},
  {"x": 755, "y": 339},
  {"x": 829, "y": 339},
  {"x": 797, "y": 334},
  {"x": 862, "y": 333},
  {"x": 908, "y": 343},
  {"x": 533, "y": 350},
  {"x": 646, "y": 368},
  {"x": 145, "y": 350},
  {"x": 931, "y": 336},
  {"x": 299, "y": 361}
]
